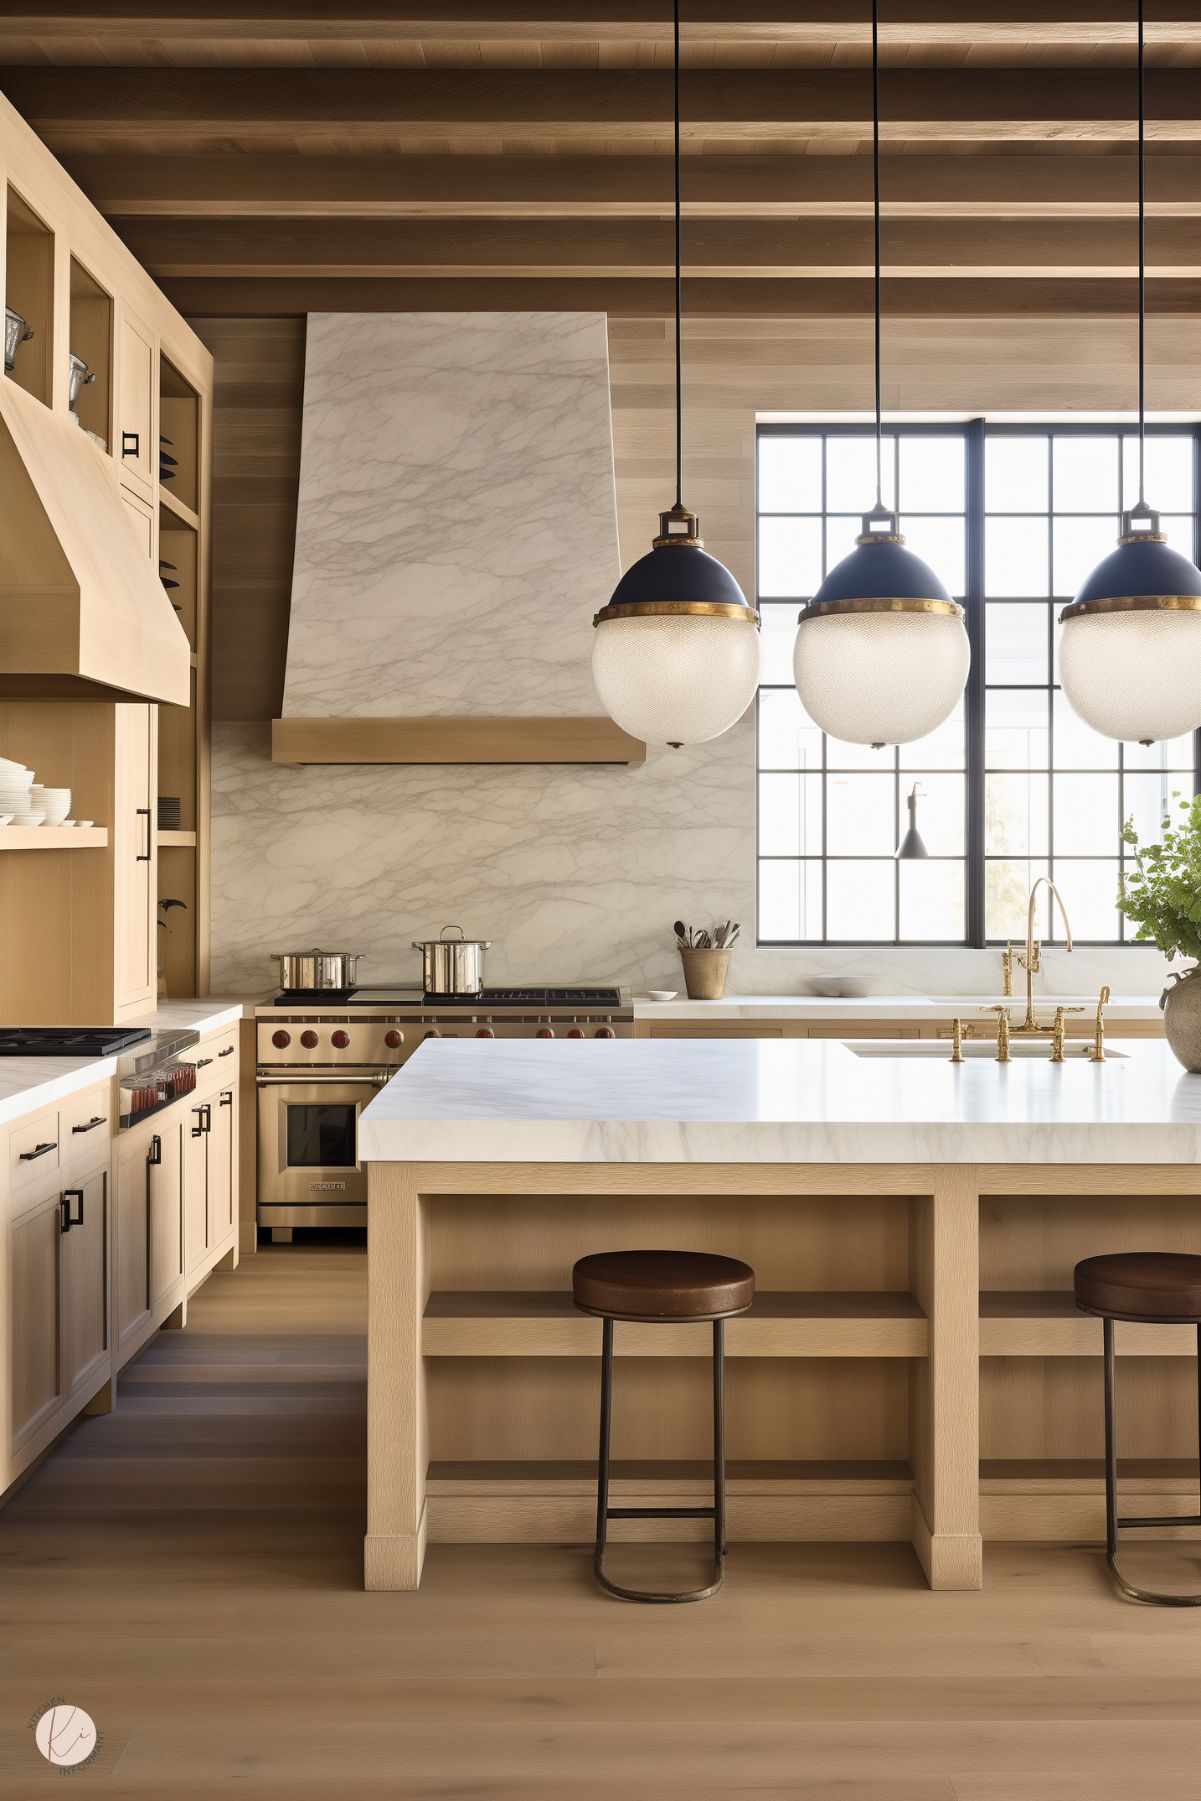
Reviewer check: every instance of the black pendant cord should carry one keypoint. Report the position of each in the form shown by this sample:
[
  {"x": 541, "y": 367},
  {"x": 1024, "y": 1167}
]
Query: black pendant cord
[
  {"x": 1142, "y": 256},
  {"x": 876, "y": 216},
  {"x": 679, "y": 341}
]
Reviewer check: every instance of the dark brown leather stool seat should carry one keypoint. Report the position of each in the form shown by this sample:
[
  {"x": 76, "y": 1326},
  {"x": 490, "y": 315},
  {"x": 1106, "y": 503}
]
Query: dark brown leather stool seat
[
  {"x": 1141, "y": 1285},
  {"x": 1153, "y": 1288},
  {"x": 663, "y": 1285}
]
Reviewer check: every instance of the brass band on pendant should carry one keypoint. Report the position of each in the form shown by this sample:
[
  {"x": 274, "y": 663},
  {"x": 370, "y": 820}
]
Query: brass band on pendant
[
  {"x": 825, "y": 609},
  {"x": 1132, "y": 603},
  {"x": 661, "y": 609}
]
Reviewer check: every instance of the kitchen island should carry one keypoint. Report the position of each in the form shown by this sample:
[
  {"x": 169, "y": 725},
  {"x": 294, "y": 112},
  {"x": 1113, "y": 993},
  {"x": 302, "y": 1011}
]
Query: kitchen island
[{"x": 913, "y": 1366}]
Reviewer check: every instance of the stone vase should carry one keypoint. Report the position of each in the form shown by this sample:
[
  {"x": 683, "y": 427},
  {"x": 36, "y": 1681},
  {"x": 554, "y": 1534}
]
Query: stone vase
[{"x": 1181, "y": 1003}]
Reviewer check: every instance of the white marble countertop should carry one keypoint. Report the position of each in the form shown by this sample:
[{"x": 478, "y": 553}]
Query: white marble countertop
[
  {"x": 28, "y": 1083},
  {"x": 753, "y": 1100},
  {"x": 882, "y": 1006}
]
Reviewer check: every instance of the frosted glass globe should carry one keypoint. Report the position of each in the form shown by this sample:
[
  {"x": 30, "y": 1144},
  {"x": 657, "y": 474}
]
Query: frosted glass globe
[
  {"x": 1135, "y": 676},
  {"x": 881, "y": 678},
  {"x": 676, "y": 678}
]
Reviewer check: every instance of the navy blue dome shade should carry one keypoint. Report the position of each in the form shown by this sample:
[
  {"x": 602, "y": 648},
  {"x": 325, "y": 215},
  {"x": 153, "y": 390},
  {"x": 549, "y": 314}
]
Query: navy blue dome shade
[
  {"x": 880, "y": 568},
  {"x": 1143, "y": 567},
  {"x": 677, "y": 575}
]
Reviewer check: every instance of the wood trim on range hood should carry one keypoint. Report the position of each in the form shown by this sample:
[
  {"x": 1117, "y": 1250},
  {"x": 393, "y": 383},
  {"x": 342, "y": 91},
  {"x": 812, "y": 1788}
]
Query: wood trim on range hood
[
  {"x": 83, "y": 614},
  {"x": 574, "y": 739}
]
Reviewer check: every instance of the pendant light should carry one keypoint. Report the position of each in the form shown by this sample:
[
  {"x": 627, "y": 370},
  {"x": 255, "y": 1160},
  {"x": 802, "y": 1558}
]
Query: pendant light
[
  {"x": 1130, "y": 649},
  {"x": 676, "y": 653},
  {"x": 912, "y": 845},
  {"x": 881, "y": 654}
]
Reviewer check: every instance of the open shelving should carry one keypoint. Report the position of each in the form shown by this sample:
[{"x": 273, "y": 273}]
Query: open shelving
[
  {"x": 1047, "y": 1323},
  {"x": 53, "y": 837},
  {"x": 29, "y": 290},
  {"x": 90, "y": 336}
]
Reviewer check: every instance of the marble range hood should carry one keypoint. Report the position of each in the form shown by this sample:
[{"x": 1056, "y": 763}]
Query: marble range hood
[{"x": 456, "y": 531}]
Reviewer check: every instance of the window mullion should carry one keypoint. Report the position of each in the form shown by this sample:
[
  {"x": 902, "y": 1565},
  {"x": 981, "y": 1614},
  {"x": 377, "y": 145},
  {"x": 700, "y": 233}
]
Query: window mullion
[{"x": 973, "y": 699}]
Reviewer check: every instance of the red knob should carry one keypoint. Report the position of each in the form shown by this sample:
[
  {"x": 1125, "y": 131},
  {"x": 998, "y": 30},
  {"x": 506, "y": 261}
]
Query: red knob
[
  {"x": 281, "y": 1040},
  {"x": 309, "y": 1040},
  {"x": 485, "y": 1032},
  {"x": 433, "y": 1032},
  {"x": 575, "y": 1032},
  {"x": 340, "y": 1040},
  {"x": 393, "y": 1039},
  {"x": 544, "y": 1032},
  {"x": 604, "y": 1032}
]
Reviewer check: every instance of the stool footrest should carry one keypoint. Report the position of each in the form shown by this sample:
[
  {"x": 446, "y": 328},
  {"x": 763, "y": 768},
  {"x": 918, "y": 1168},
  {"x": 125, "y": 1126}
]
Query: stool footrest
[
  {"x": 660, "y": 1513},
  {"x": 1160, "y": 1519}
]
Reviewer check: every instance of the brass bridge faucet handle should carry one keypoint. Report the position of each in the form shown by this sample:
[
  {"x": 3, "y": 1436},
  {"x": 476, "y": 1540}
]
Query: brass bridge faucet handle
[
  {"x": 1097, "y": 1054},
  {"x": 1007, "y": 970},
  {"x": 1003, "y": 1022},
  {"x": 956, "y": 1041},
  {"x": 1057, "y": 1032}
]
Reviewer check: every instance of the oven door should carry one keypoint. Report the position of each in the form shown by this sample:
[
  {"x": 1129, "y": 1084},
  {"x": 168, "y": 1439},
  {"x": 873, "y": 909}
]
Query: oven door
[{"x": 309, "y": 1170}]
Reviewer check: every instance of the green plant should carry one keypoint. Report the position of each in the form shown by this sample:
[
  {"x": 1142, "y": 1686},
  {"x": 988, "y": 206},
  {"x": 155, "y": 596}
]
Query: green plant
[{"x": 1162, "y": 894}]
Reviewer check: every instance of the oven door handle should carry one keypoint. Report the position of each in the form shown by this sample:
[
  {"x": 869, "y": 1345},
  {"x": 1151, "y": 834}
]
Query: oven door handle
[{"x": 379, "y": 1079}]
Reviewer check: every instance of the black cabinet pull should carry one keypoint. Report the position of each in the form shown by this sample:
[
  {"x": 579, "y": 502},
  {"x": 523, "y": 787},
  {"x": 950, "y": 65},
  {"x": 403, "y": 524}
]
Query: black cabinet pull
[
  {"x": 206, "y": 1119},
  {"x": 131, "y": 443},
  {"x": 39, "y": 1150},
  {"x": 155, "y": 1154},
  {"x": 198, "y": 1128},
  {"x": 143, "y": 856},
  {"x": 228, "y": 1051},
  {"x": 227, "y": 1097},
  {"x": 69, "y": 1218},
  {"x": 97, "y": 1119},
  {"x": 203, "y": 1062}
]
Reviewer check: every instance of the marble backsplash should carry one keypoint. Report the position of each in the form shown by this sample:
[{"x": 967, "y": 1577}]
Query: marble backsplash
[{"x": 574, "y": 873}]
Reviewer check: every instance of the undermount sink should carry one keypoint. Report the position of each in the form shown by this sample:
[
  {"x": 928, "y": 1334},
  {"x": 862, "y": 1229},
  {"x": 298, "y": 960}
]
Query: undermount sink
[
  {"x": 935, "y": 1050},
  {"x": 967, "y": 1004}
]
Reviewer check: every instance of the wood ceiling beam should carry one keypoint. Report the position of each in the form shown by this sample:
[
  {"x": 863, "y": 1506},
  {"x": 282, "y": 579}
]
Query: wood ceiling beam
[
  {"x": 176, "y": 109},
  {"x": 224, "y": 298},
  {"x": 731, "y": 250},
  {"x": 370, "y": 187},
  {"x": 1054, "y": 23}
]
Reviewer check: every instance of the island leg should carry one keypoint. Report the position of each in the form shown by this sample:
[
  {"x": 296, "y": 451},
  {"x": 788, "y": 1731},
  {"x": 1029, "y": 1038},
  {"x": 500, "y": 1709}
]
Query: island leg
[
  {"x": 945, "y": 1401},
  {"x": 397, "y": 1438}
]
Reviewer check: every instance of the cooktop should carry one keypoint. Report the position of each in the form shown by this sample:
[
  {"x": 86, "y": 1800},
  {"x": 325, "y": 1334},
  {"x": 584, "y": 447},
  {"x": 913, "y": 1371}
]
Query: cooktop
[
  {"x": 413, "y": 997},
  {"x": 69, "y": 1041}
]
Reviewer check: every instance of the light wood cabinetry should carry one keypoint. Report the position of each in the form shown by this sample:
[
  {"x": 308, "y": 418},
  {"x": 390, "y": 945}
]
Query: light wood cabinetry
[
  {"x": 84, "y": 1281},
  {"x": 133, "y": 833},
  {"x": 102, "y": 1238},
  {"x": 144, "y": 523},
  {"x": 136, "y": 446}
]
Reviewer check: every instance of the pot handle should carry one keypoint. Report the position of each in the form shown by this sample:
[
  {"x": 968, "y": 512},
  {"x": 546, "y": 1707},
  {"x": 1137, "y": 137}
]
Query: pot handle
[{"x": 458, "y": 929}]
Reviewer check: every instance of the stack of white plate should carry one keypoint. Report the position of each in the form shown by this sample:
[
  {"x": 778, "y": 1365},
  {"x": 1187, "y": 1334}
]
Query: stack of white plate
[
  {"x": 15, "y": 785},
  {"x": 54, "y": 802}
]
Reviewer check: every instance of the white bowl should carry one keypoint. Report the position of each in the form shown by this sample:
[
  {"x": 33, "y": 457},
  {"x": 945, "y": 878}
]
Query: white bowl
[
  {"x": 662, "y": 994},
  {"x": 28, "y": 818},
  {"x": 6, "y": 818},
  {"x": 55, "y": 811},
  {"x": 66, "y": 822},
  {"x": 83, "y": 824}
]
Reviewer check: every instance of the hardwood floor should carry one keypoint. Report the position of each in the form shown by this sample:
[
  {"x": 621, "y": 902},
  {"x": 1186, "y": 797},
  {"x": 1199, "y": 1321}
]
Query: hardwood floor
[{"x": 187, "y": 1569}]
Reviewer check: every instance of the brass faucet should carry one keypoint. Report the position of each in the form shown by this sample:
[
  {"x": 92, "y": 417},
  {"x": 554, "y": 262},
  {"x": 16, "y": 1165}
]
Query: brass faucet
[
  {"x": 1057, "y": 1036},
  {"x": 1030, "y": 957},
  {"x": 1003, "y": 1031},
  {"x": 956, "y": 1041},
  {"x": 1007, "y": 970},
  {"x": 1097, "y": 1054}
]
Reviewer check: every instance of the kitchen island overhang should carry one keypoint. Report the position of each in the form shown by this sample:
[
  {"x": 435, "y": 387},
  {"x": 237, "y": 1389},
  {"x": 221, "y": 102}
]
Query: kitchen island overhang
[{"x": 912, "y": 1364}]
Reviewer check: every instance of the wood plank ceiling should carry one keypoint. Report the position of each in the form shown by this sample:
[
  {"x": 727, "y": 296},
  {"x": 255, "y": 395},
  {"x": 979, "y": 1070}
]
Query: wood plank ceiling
[{"x": 280, "y": 156}]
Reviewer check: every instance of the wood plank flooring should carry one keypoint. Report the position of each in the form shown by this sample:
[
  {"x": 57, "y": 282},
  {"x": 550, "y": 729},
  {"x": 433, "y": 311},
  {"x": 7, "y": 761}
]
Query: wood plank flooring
[{"x": 187, "y": 1569}]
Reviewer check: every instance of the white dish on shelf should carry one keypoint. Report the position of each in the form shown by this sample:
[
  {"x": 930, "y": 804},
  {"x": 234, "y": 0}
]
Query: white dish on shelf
[
  {"x": 65, "y": 822},
  {"x": 29, "y": 819},
  {"x": 661, "y": 994},
  {"x": 6, "y": 818},
  {"x": 83, "y": 824},
  {"x": 56, "y": 802}
]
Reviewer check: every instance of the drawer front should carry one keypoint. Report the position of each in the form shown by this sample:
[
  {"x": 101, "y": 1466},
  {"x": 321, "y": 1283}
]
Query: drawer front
[
  {"x": 34, "y": 1148},
  {"x": 215, "y": 1057},
  {"x": 88, "y": 1123}
]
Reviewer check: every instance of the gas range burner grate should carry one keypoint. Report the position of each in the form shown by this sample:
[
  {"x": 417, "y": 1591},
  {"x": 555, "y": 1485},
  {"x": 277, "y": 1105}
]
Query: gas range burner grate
[
  {"x": 69, "y": 1041},
  {"x": 529, "y": 997}
]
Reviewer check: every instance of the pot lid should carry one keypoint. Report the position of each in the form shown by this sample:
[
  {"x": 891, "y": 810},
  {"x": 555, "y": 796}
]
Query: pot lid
[{"x": 276, "y": 955}]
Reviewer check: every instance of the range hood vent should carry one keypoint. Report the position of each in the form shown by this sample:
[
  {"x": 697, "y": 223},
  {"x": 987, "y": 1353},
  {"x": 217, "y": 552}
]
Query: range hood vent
[{"x": 83, "y": 614}]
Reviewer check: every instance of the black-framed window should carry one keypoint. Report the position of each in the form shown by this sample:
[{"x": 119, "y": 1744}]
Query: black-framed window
[{"x": 1013, "y": 785}]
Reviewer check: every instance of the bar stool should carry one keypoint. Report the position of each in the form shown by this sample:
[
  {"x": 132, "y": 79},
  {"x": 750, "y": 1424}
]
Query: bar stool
[
  {"x": 662, "y": 1285},
  {"x": 1152, "y": 1288}
]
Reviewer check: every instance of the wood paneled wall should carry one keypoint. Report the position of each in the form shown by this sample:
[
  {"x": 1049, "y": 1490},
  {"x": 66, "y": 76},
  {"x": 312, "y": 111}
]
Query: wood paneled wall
[{"x": 734, "y": 369}]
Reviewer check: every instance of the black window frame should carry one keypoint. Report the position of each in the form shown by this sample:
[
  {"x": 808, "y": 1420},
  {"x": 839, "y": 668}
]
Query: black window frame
[{"x": 973, "y": 433}]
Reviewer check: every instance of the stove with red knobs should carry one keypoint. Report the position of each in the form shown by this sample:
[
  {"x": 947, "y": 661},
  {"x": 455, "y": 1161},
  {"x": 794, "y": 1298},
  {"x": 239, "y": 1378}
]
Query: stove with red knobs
[{"x": 321, "y": 1058}]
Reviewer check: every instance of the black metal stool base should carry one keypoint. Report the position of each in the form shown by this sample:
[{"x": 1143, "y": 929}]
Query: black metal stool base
[
  {"x": 716, "y": 1513},
  {"x": 1113, "y": 1520}
]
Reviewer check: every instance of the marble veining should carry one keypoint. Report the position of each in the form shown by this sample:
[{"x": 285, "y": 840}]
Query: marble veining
[
  {"x": 519, "y": 1100},
  {"x": 457, "y": 520}
]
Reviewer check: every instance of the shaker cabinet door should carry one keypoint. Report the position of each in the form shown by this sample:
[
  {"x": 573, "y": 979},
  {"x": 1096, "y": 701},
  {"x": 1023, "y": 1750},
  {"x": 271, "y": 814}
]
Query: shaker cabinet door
[
  {"x": 85, "y": 1297},
  {"x": 34, "y": 1251}
]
